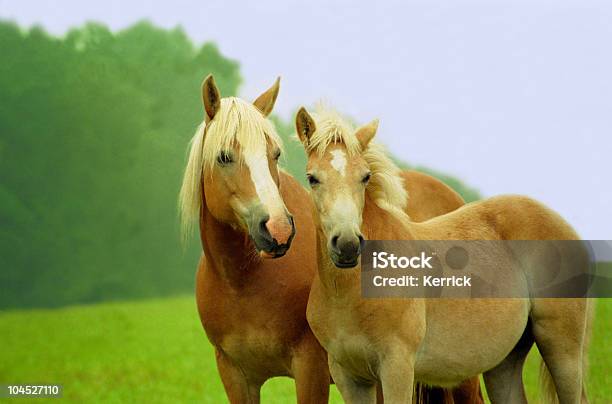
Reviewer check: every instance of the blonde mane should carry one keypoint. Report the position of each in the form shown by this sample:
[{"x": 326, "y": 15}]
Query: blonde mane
[
  {"x": 237, "y": 122},
  {"x": 386, "y": 186}
]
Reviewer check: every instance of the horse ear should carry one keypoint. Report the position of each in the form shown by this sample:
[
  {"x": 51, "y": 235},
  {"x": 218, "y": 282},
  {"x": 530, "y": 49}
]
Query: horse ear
[
  {"x": 366, "y": 133},
  {"x": 305, "y": 125},
  {"x": 265, "y": 102},
  {"x": 210, "y": 97}
]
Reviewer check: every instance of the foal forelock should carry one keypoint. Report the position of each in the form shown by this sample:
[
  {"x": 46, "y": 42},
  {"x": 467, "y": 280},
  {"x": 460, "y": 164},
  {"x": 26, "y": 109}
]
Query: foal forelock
[
  {"x": 237, "y": 123},
  {"x": 332, "y": 128}
]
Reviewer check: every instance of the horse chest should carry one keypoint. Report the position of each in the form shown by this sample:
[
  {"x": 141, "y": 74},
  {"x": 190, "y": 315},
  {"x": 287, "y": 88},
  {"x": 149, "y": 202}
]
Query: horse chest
[
  {"x": 347, "y": 345},
  {"x": 239, "y": 334},
  {"x": 355, "y": 352},
  {"x": 253, "y": 346},
  {"x": 245, "y": 337},
  {"x": 344, "y": 340}
]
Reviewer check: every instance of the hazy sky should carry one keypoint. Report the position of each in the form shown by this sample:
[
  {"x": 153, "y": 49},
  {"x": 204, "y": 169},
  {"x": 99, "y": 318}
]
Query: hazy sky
[{"x": 512, "y": 98}]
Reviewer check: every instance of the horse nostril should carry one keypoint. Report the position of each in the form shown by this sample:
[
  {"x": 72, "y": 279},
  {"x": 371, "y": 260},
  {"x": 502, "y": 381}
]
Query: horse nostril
[
  {"x": 334, "y": 241},
  {"x": 263, "y": 228}
]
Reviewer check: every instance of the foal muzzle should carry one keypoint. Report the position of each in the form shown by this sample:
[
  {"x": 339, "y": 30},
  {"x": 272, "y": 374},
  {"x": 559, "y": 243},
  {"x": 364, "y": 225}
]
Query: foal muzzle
[{"x": 345, "y": 250}]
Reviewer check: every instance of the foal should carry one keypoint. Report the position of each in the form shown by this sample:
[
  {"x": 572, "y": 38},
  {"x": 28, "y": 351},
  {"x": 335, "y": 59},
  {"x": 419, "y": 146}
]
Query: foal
[{"x": 393, "y": 341}]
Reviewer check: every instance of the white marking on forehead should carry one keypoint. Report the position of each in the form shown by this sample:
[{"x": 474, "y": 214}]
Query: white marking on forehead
[{"x": 339, "y": 161}]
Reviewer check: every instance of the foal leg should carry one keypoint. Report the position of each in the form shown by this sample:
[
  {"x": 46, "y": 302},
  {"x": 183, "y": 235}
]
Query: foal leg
[
  {"x": 559, "y": 329},
  {"x": 239, "y": 389},
  {"x": 311, "y": 372},
  {"x": 353, "y": 391},
  {"x": 397, "y": 379},
  {"x": 505, "y": 381}
]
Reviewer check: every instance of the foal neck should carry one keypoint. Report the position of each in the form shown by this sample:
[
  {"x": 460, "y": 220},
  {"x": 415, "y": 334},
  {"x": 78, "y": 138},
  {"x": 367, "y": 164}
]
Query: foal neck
[{"x": 381, "y": 224}]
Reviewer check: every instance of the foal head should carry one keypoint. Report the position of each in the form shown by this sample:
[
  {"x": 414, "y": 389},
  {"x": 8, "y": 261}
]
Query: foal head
[
  {"x": 233, "y": 169},
  {"x": 338, "y": 175}
]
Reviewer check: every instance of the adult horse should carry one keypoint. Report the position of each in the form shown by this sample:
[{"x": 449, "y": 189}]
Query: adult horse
[
  {"x": 253, "y": 309},
  {"x": 390, "y": 341}
]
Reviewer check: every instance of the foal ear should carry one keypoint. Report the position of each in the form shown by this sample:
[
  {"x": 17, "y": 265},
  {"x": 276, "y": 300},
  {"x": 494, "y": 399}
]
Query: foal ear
[
  {"x": 366, "y": 133},
  {"x": 265, "y": 102},
  {"x": 210, "y": 97},
  {"x": 305, "y": 125}
]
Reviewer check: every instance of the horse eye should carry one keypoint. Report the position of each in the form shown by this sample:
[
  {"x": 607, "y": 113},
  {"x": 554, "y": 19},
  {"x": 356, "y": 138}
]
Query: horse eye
[
  {"x": 312, "y": 180},
  {"x": 366, "y": 178},
  {"x": 277, "y": 155},
  {"x": 224, "y": 158}
]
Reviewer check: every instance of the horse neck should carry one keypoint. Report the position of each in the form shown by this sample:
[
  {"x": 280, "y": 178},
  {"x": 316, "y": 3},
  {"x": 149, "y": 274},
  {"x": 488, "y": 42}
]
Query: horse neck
[
  {"x": 229, "y": 252},
  {"x": 381, "y": 224}
]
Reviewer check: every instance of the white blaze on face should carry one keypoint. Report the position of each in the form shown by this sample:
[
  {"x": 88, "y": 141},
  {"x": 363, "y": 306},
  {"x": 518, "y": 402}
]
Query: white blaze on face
[
  {"x": 342, "y": 214},
  {"x": 269, "y": 196},
  {"x": 266, "y": 188},
  {"x": 338, "y": 161}
]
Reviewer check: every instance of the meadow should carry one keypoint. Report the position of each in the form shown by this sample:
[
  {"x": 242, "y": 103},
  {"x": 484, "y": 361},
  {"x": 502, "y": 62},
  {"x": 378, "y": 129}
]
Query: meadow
[{"x": 155, "y": 351}]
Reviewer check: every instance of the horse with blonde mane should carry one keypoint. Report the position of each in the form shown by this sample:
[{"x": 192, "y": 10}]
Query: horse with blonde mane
[
  {"x": 253, "y": 308},
  {"x": 392, "y": 341}
]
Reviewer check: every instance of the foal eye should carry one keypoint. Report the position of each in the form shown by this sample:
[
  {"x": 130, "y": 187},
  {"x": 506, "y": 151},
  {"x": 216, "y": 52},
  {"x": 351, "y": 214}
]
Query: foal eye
[
  {"x": 224, "y": 158},
  {"x": 312, "y": 180},
  {"x": 366, "y": 178}
]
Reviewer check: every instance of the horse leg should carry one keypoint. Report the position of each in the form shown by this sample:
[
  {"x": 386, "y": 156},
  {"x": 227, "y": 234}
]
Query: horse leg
[
  {"x": 310, "y": 371},
  {"x": 435, "y": 395},
  {"x": 468, "y": 392},
  {"x": 559, "y": 329},
  {"x": 379, "y": 394},
  {"x": 353, "y": 391},
  {"x": 397, "y": 379},
  {"x": 239, "y": 389},
  {"x": 505, "y": 381}
]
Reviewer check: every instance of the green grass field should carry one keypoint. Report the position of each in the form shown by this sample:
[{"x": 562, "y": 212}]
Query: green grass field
[{"x": 155, "y": 351}]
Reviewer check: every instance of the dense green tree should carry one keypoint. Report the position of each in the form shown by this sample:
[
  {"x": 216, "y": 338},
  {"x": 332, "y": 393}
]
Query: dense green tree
[{"x": 93, "y": 134}]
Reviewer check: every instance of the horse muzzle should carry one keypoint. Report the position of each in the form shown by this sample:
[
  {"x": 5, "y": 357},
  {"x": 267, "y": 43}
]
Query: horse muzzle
[
  {"x": 271, "y": 239},
  {"x": 345, "y": 251}
]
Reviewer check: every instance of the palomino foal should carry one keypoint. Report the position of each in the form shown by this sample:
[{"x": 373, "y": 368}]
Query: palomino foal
[{"x": 393, "y": 341}]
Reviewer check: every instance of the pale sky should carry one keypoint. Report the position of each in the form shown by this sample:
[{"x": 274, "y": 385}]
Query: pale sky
[{"x": 514, "y": 97}]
